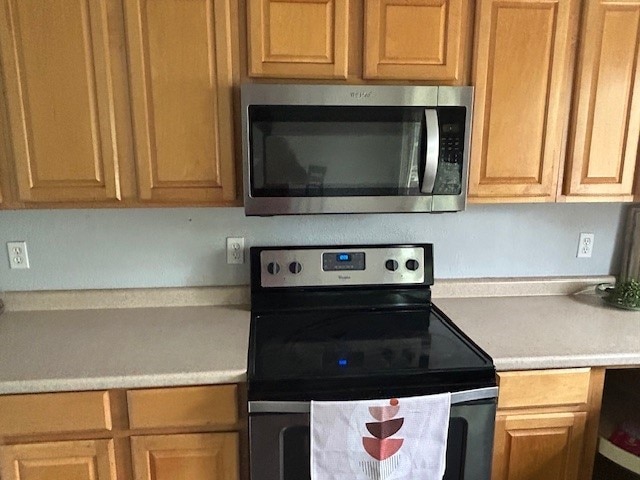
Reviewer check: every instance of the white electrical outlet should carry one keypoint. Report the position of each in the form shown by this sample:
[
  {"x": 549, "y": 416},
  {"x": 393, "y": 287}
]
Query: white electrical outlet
[
  {"x": 585, "y": 245},
  {"x": 235, "y": 250},
  {"x": 18, "y": 256}
]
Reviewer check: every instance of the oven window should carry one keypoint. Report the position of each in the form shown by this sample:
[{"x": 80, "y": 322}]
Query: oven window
[
  {"x": 314, "y": 151},
  {"x": 295, "y": 453}
]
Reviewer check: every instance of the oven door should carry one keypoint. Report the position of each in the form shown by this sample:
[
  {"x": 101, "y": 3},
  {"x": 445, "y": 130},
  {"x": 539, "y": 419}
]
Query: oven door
[{"x": 279, "y": 438}]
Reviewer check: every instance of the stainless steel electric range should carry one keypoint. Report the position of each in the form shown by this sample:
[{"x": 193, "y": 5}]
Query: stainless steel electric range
[{"x": 356, "y": 323}]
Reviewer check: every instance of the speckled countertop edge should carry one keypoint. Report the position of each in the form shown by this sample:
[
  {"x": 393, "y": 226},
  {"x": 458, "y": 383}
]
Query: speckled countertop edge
[{"x": 240, "y": 295}]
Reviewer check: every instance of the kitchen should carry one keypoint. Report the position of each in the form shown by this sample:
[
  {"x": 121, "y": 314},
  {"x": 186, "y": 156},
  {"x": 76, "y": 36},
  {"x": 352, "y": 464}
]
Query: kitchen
[{"x": 79, "y": 247}]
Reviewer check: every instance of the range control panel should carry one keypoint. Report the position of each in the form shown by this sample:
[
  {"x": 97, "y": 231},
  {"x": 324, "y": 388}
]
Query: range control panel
[{"x": 312, "y": 267}]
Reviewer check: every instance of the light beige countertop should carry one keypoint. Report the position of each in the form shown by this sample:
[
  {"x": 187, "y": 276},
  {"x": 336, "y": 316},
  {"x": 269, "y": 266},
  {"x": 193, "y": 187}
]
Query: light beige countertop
[
  {"x": 89, "y": 347},
  {"x": 563, "y": 331},
  {"x": 64, "y": 350}
]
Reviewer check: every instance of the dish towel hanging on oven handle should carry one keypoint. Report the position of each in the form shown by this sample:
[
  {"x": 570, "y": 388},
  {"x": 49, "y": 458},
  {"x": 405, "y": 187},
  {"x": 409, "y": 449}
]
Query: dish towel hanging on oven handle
[{"x": 393, "y": 439}]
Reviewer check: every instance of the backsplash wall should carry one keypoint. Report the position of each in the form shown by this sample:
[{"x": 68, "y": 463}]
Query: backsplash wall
[{"x": 136, "y": 248}]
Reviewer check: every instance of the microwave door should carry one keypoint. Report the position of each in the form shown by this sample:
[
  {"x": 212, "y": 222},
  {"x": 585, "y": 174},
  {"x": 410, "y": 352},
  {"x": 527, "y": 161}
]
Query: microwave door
[{"x": 431, "y": 152}]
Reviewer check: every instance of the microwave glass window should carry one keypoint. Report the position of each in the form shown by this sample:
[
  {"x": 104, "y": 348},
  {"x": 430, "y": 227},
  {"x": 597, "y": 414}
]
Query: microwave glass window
[
  {"x": 318, "y": 151},
  {"x": 336, "y": 151}
]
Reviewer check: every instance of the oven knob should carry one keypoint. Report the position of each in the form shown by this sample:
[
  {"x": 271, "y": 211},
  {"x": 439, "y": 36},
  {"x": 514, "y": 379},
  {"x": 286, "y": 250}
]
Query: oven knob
[
  {"x": 391, "y": 265},
  {"x": 412, "y": 265},
  {"x": 295, "y": 267},
  {"x": 273, "y": 268}
]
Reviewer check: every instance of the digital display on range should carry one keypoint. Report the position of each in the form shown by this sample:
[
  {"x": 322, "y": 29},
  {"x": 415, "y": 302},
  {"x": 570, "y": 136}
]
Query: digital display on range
[{"x": 337, "y": 261}]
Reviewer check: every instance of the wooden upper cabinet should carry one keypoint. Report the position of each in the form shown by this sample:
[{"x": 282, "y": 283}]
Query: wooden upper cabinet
[
  {"x": 298, "y": 38},
  {"x": 544, "y": 446},
  {"x": 57, "y": 64},
  {"x": 416, "y": 39},
  {"x": 210, "y": 456},
  {"x": 605, "y": 131},
  {"x": 73, "y": 460},
  {"x": 522, "y": 71},
  {"x": 181, "y": 79}
]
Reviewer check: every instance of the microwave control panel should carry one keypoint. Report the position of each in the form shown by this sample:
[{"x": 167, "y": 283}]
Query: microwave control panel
[
  {"x": 451, "y": 143},
  {"x": 452, "y": 121}
]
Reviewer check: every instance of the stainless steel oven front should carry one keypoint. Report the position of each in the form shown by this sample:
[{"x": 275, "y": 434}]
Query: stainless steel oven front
[
  {"x": 312, "y": 149},
  {"x": 279, "y": 437},
  {"x": 348, "y": 323}
]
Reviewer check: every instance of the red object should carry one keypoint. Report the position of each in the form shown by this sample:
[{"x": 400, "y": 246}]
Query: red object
[
  {"x": 381, "y": 449},
  {"x": 627, "y": 437}
]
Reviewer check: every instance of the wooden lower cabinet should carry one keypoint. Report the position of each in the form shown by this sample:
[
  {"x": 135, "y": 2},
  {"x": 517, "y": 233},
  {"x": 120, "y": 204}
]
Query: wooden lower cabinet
[
  {"x": 181, "y": 433},
  {"x": 207, "y": 456},
  {"x": 538, "y": 446},
  {"x": 547, "y": 423},
  {"x": 72, "y": 460}
]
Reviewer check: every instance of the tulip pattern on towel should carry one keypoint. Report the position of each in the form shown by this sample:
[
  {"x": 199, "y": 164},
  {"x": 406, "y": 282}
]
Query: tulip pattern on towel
[{"x": 396, "y": 439}]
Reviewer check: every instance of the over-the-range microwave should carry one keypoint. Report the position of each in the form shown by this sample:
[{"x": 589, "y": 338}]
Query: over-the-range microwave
[{"x": 311, "y": 149}]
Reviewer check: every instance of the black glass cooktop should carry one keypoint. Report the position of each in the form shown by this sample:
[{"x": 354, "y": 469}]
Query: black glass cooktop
[{"x": 342, "y": 354}]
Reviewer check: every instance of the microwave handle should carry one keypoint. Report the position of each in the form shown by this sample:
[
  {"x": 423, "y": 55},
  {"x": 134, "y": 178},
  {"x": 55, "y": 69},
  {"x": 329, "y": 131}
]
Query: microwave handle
[{"x": 431, "y": 155}]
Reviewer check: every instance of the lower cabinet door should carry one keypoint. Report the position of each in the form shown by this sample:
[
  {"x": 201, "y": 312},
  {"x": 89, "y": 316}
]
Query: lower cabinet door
[
  {"x": 73, "y": 460},
  {"x": 207, "y": 456},
  {"x": 540, "y": 446}
]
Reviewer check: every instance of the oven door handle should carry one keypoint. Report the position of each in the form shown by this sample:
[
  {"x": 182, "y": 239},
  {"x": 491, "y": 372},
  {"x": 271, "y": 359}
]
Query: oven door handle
[
  {"x": 433, "y": 147},
  {"x": 305, "y": 407}
]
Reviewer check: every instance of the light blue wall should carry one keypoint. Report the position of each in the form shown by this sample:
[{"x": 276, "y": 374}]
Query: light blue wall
[{"x": 85, "y": 249}]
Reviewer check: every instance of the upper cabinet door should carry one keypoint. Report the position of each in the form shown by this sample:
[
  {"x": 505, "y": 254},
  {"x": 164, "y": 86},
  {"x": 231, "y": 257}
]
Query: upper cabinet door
[
  {"x": 416, "y": 39},
  {"x": 298, "y": 38},
  {"x": 181, "y": 79},
  {"x": 522, "y": 70},
  {"x": 57, "y": 63},
  {"x": 606, "y": 117}
]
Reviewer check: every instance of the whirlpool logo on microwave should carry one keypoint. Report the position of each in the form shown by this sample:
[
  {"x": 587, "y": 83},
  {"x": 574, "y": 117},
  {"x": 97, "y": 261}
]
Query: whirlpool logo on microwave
[{"x": 361, "y": 94}]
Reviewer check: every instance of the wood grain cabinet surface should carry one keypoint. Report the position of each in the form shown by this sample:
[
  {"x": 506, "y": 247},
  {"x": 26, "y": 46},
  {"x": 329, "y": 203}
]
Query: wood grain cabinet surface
[
  {"x": 210, "y": 456},
  {"x": 547, "y": 424},
  {"x": 298, "y": 38},
  {"x": 416, "y": 39},
  {"x": 539, "y": 446},
  {"x": 180, "y": 433},
  {"x": 70, "y": 460},
  {"x": 119, "y": 102},
  {"x": 57, "y": 59},
  {"x": 605, "y": 122},
  {"x": 420, "y": 40},
  {"x": 181, "y": 80},
  {"x": 522, "y": 75}
]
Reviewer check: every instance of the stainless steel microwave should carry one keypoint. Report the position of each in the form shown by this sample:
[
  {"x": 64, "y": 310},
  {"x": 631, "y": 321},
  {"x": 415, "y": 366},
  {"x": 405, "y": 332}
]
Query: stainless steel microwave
[{"x": 311, "y": 149}]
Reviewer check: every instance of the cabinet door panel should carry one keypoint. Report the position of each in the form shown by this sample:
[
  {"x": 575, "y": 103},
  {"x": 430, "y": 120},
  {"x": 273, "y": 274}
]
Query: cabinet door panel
[
  {"x": 606, "y": 119},
  {"x": 56, "y": 59},
  {"x": 298, "y": 38},
  {"x": 521, "y": 105},
  {"x": 545, "y": 446},
  {"x": 74, "y": 460},
  {"x": 210, "y": 456},
  {"x": 181, "y": 81},
  {"x": 415, "y": 39}
]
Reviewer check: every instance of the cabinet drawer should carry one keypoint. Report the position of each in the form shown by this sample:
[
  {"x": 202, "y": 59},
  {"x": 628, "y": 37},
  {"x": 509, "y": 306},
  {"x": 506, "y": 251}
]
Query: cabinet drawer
[
  {"x": 54, "y": 413},
  {"x": 543, "y": 388},
  {"x": 183, "y": 407}
]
